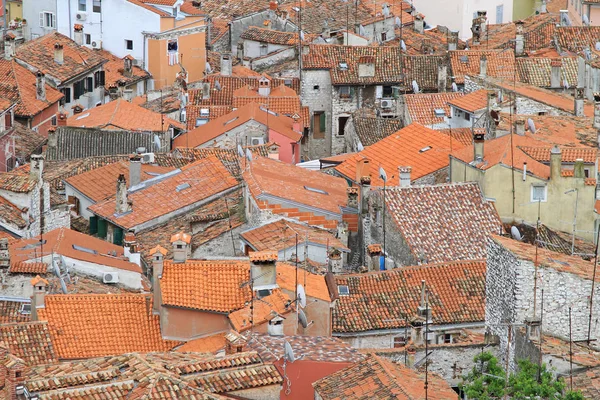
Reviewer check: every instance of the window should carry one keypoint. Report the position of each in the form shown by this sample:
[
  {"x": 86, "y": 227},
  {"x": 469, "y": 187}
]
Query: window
[
  {"x": 179, "y": 246},
  {"x": 399, "y": 341},
  {"x": 388, "y": 91},
  {"x": 172, "y": 46},
  {"x": 345, "y": 92},
  {"x": 78, "y": 89},
  {"x": 67, "y": 93},
  {"x": 586, "y": 173},
  {"x": 383, "y": 36},
  {"x": 88, "y": 38},
  {"x": 129, "y": 44},
  {"x": 89, "y": 84},
  {"x": 201, "y": 121},
  {"x": 54, "y": 121},
  {"x": 499, "y": 13},
  {"x": 319, "y": 125},
  {"x": 99, "y": 78},
  {"x": 47, "y": 20},
  {"x": 446, "y": 338},
  {"x": 263, "y": 49},
  {"x": 467, "y": 116},
  {"x": 97, "y": 6},
  {"x": 538, "y": 193},
  {"x": 7, "y": 120},
  {"x": 82, "y": 5},
  {"x": 316, "y": 87},
  {"x": 342, "y": 125},
  {"x": 343, "y": 290}
]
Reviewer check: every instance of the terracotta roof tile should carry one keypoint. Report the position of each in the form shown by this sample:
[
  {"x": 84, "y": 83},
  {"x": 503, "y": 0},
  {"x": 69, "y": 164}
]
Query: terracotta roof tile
[
  {"x": 77, "y": 59},
  {"x": 379, "y": 378},
  {"x": 114, "y": 71},
  {"x": 10, "y": 310},
  {"x": 29, "y": 341},
  {"x": 96, "y": 325},
  {"x": 423, "y": 149},
  {"x": 260, "y": 311},
  {"x": 208, "y": 344},
  {"x": 282, "y": 100},
  {"x": 202, "y": 179},
  {"x": 471, "y": 102},
  {"x": 314, "y": 284},
  {"x": 421, "y": 107},
  {"x": 27, "y": 141},
  {"x": 577, "y": 38},
  {"x": 537, "y": 71},
  {"x": 15, "y": 182},
  {"x": 371, "y": 129},
  {"x": 445, "y": 222},
  {"x": 28, "y": 268},
  {"x": 272, "y": 36},
  {"x": 463, "y": 136},
  {"x": 569, "y": 154},
  {"x": 123, "y": 115},
  {"x": 11, "y": 214},
  {"x": 100, "y": 183},
  {"x": 500, "y": 64},
  {"x": 376, "y": 300}
]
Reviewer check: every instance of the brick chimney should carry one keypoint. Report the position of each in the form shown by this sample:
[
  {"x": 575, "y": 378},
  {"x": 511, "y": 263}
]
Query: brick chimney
[
  {"x": 40, "y": 86},
  {"x": 226, "y": 64},
  {"x": 78, "y": 34},
  {"x": 352, "y": 197},
  {"x": 135, "y": 170},
  {"x": 158, "y": 254},
  {"x": 59, "y": 56},
  {"x": 181, "y": 243},
  {"x": 36, "y": 169},
  {"x": 335, "y": 264},
  {"x": 121, "y": 201},
  {"x": 38, "y": 298},
  {"x": 519, "y": 39},
  {"x": 374, "y": 253},
  {"x": 555, "y": 163},
  {"x": 235, "y": 343},
  {"x": 12, "y": 374},
  {"x": 555, "y": 73},
  {"x": 478, "y": 142},
  {"x": 404, "y": 174},
  {"x": 61, "y": 119}
]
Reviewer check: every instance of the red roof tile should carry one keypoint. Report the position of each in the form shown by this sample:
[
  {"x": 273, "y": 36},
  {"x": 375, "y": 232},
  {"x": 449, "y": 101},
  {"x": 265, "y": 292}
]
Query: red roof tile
[
  {"x": 471, "y": 102},
  {"x": 288, "y": 276},
  {"x": 29, "y": 341},
  {"x": 22, "y": 267},
  {"x": 421, "y": 107},
  {"x": 114, "y": 71},
  {"x": 500, "y": 64},
  {"x": 264, "y": 35}
]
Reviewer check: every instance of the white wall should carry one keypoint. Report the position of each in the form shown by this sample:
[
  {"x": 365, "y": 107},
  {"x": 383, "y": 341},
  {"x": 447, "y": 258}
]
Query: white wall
[
  {"x": 252, "y": 48},
  {"x": 84, "y": 202},
  {"x": 31, "y": 12}
]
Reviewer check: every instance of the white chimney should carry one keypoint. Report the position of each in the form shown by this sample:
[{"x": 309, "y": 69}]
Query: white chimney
[
  {"x": 555, "y": 73},
  {"x": 38, "y": 298},
  {"x": 180, "y": 243},
  {"x": 483, "y": 66},
  {"x": 36, "y": 169},
  {"x": 519, "y": 39},
  {"x": 135, "y": 170},
  {"x": 78, "y": 34},
  {"x": 264, "y": 86},
  {"x": 59, "y": 56},
  {"x": 404, "y": 173},
  {"x": 158, "y": 256},
  {"x": 275, "y": 327},
  {"x": 226, "y": 64},
  {"x": 40, "y": 86}
]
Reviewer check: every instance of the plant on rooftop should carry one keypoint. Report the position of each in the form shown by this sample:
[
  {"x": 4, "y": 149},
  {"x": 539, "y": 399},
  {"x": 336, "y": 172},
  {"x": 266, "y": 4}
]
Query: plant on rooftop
[{"x": 487, "y": 381}]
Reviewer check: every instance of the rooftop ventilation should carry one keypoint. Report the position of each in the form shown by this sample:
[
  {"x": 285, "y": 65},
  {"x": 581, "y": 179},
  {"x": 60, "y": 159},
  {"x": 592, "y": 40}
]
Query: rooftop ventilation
[
  {"x": 312, "y": 189},
  {"x": 464, "y": 59},
  {"x": 343, "y": 66},
  {"x": 183, "y": 186},
  {"x": 424, "y": 149}
]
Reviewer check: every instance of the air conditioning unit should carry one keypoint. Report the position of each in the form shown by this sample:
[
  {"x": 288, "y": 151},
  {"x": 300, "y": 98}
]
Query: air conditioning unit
[
  {"x": 387, "y": 103},
  {"x": 81, "y": 16},
  {"x": 147, "y": 158},
  {"x": 137, "y": 62},
  {"x": 110, "y": 277},
  {"x": 97, "y": 44},
  {"x": 255, "y": 141}
]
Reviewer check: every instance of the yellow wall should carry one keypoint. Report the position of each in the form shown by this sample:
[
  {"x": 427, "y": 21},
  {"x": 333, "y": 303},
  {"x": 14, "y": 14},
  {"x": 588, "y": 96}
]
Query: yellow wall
[
  {"x": 192, "y": 53},
  {"x": 523, "y": 9},
  {"x": 15, "y": 10},
  {"x": 557, "y": 213}
]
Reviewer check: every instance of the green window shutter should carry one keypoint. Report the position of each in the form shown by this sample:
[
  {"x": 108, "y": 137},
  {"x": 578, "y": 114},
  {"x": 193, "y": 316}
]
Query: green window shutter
[
  {"x": 93, "y": 225},
  {"x": 102, "y": 226},
  {"x": 322, "y": 122},
  {"x": 118, "y": 236}
]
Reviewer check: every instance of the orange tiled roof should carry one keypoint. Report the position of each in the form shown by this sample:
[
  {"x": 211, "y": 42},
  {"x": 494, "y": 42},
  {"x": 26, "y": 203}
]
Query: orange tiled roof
[
  {"x": 421, "y": 107},
  {"x": 407, "y": 147},
  {"x": 455, "y": 231},
  {"x": 219, "y": 286},
  {"x": 15, "y": 182},
  {"x": 113, "y": 71},
  {"x": 208, "y": 344},
  {"x": 10, "y": 310},
  {"x": 29, "y": 341},
  {"x": 577, "y": 38},
  {"x": 500, "y": 64},
  {"x": 39, "y": 53},
  {"x": 181, "y": 236},
  {"x": 250, "y": 112},
  {"x": 11, "y": 214},
  {"x": 100, "y": 183},
  {"x": 471, "y": 102},
  {"x": 377, "y": 299},
  {"x": 265, "y": 35},
  {"x": 267, "y": 177},
  {"x": 202, "y": 179},
  {"x": 62, "y": 241},
  {"x": 282, "y": 100},
  {"x": 22, "y": 267},
  {"x": 537, "y": 70},
  {"x": 18, "y": 85},
  {"x": 123, "y": 115},
  {"x": 95, "y": 325},
  {"x": 378, "y": 378},
  {"x": 568, "y": 154},
  {"x": 281, "y": 235},
  {"x": 260, "y": 311},
  {"x": 314, "y": 285}
]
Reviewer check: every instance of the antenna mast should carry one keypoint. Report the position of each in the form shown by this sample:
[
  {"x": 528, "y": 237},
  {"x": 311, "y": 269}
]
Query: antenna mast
[
  {"x": 426, "y": 346},
  {"x": 593, "y": 284}
]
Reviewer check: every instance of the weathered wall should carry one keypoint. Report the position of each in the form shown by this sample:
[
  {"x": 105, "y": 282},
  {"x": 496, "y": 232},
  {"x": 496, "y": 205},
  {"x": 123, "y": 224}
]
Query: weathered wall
[
  {"x": 182, "y": 324},
  {"x": 317, "y": 99},
  {"x": 271, "y": 392},
  {"x": 273, "y": 58}
]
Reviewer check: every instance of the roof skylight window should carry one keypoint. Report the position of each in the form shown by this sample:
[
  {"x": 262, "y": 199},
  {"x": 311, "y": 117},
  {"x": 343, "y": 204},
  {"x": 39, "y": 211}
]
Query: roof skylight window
[
  {"x": 424, "y": 149},
  {"x": 183, "y": 186},
  {"x": 312, "y": 189},
  {"x": 343, "y": 290}
]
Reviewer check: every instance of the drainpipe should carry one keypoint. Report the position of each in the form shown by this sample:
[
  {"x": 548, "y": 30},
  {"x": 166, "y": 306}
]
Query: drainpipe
[{"x": 56, "y": 27}]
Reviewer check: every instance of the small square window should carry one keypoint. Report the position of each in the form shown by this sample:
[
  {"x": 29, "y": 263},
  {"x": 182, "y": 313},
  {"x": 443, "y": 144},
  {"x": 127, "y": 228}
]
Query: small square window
[
  {"x": 399, "y": 341},
  {"x": 316, "y": 87},
  {"x": 129, "y": 44},
  {"x": 82, "y": 5},
  {"x": 54, "y": 121},
  {"x": 538, "y": 193},
  {"x": 343, "y": 290},
  {"x": 345, "y": 92},
  {"x": 172, "y": 46},
  {"x": 97, "y": 6}
]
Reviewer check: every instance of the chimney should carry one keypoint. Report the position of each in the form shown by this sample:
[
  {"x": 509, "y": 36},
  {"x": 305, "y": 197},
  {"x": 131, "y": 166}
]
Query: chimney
[
  {"x": 442, "y": 77},
  {"x": 374, "y": 252},
  {"x": 352, "y": 197},
  {"x": 596, "y": 122},
  {"x": 59, "y": 56},
  {"x": 520, "y": 127},
  {"x": 40, "y": 86},
  {"x": 36, "y": 169},
  {"x": 520, "y": 39},
  {"x": 478, "y": 27},
  {"x": 158, "y": 254},
  {"x": 12, "y": 374},
  {"x": 483, "y": 66},
  {"x": 482, "y": 18},
  {"x": 235, "y": 343},
  {"x": 579, "y": 171},
  {"x": 478, "y": 142},
  {"x": 181, "y": 243},
  {"x": 135, "y": 170},
  {"x": 38, "y": 298},
  {"x": 275, "y": 327},
  {"x": 296, "y": 125},
  {"x": 543, "y": 7},
  {"x": 226, "y": 64},
  {"x": 564, "y": 17},
  {"x": 77, "y": 109},
  {"x": 263, "y": 269},
  {"x": 365, "y": 189},
  {"x": 131, "y": 248},
  {"x": 61, "y": 119},
  {"x": 128, "y": 66},
  {"x": 78, "y": 34},
  {"x": 579, "y": 103},
  {"x": 419, "y": 24},
  {"x": 452, "y": 40},
  {"x": 4, "y": 254},
  {"x": 555, "y": 73},
  {"x": 9, "y": 46},
  {"x": 581, "y": 72},
  {"x": 555, "y": 162},
  {"x": 264, "y": 86},
  {"x": 335, "y": 264},
  {"x": 363, "y": 169},
  {"x": 122, "y": 205},
  {"x": 404, "y": 173}
]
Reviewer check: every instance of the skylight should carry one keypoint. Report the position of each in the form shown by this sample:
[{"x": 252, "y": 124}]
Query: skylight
[
  {"x": 83, "y": 116},
  {"x": 424, "y": 149},
  {"x": 312, "y": 189},
  {"x": 33, "y": 245},
  {"x": 84, "y": 249},
  {"x": 343, "y": 66},
  {"x": 230, "y": 121},
  {"x": 183, "y": 186},
  {"x": 439, "y": 112},
  {"x": 464, "y": 59},
  {"x": 343, "y": 290}
]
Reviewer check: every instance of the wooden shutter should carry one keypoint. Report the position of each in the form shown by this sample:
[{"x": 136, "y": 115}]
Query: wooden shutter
[
  {"x": 7, "y": 120},
  {"x": 322, "y": 123},
  {"x": 102, "y": 76},
  {"x": 93, "y": 225}
]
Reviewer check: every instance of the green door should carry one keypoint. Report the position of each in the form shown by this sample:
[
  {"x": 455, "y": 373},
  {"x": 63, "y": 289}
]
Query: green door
[
  {"x": 118, "y": 236},
  {"x": 102, "y": 226}
]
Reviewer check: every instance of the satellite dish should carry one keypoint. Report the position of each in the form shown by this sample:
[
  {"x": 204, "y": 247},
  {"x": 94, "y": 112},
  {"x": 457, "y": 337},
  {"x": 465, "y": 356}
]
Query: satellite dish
[
  {"x": 240, "y": 151},
  {"x": 157, "y": 142},
  {"x": 361, "y": 30},
  {"x": 398, "y": 22},
  {"x": 218, "y": 85},
  {"x": 415, "y": 86},
  {"x": 382, "y": 174},
  {"x": 402, "y": 45},
  {"x": 454, "y": 87},
  {"x": 302, "y": 319},
  {"x": 585, "y": 19},
  {"x": 208, "y": 68},
  {"x": 301, "y": 296},
  {"x": 288, "y": 352},
  {"x": 360, "y": 147},
  {"x": 514, "y": 231},
  {"x": 597, "y": 46},
  {"x": 531, "y": 125},
  {"x": 248, "y": 154}
]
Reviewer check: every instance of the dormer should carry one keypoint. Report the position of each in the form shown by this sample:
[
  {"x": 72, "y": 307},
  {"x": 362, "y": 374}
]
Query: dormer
[
  {"x": 366, "y": 67},
  {"x": 264, "y": 86},
  {"x": 263, "y": 270}
]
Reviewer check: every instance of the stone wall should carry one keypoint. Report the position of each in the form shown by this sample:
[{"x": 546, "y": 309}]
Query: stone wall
[
  {"x": 272, "y": 59},
  {"x": 342, "y": 107},
  {"x": 439, "y": 176},
  {"x": 317, "y": 100}
]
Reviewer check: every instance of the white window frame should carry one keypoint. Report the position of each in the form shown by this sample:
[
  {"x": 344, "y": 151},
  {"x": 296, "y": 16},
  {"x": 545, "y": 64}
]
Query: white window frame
[
  {"x": 533, "y": 186},
  {"x": 81, "y": 3},
  {"x": 44, "y": 19}
]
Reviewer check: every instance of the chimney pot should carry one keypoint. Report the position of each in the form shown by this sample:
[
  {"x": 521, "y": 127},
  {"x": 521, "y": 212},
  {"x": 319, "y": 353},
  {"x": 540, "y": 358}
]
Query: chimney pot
[
  {"x": 520, "y": 127},
  {"x": 58, "y": 53},
  {"x": 483, "y": 66},
  {"x": 40, "y": 86},
  {"x": 226, "y": 64},
  {"x": 180, "y": 243},
  {"x": 404, "y": 173},
  {"x": 352, "y": 197},
  {"x": 555, "y": 162},
  {"x": 158, "y": 256},
  {"x": 36, "y": 169}
]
